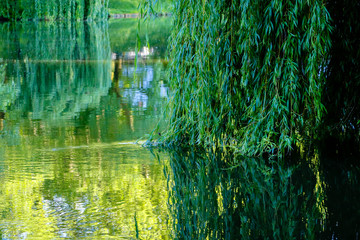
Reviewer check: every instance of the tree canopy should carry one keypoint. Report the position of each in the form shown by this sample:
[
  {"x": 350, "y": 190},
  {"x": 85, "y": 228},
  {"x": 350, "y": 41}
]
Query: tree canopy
[
  {"x": 254, "y": 75},
  {"x": 53, "y": 10}
]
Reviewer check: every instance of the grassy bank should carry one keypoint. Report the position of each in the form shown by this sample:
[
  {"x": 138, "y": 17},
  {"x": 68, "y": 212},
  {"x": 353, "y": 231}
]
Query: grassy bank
[
  {"x": 123, "y": 34},
  {"x": 132, "y": 6}
]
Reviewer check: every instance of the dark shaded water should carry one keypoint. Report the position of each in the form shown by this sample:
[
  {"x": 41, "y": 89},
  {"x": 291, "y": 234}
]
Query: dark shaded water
[
  {"x": 219, "y": 195},
  {"x": 72, "y": 104}
]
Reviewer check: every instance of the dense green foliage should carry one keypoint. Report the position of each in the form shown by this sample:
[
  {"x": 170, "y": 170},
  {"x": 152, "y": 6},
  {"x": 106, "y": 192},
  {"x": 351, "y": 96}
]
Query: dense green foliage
[
  {"x": 72, "y": 9},
  {"x": 51, "y": 10},
  {"x": 248, "y": 74}
]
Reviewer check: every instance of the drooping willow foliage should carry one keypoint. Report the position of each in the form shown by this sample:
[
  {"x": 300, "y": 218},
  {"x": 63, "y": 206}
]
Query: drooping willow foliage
[
  {"x": 54, "y": 9},
  {"x": 248, "y": 74}
]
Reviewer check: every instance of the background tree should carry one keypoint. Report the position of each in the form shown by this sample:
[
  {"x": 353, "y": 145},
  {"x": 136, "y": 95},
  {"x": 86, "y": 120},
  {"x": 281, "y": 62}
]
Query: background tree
[{"x": 54, "y": 10}]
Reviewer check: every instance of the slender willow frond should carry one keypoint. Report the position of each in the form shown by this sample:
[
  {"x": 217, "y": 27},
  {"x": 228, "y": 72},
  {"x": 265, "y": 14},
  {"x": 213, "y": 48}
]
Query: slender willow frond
[{"x": 247, "y": 74}]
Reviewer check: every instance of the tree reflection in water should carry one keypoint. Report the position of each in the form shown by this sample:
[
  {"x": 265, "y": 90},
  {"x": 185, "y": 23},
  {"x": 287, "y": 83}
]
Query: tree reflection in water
[
  {"x": 67, "y": 116},
  {"x": 219, "y": 195}
]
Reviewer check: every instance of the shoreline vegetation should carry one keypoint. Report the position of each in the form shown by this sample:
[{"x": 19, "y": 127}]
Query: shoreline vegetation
[
  {"x": 26, "y": 10},
  {"x": 136, "y": 15},
  {"x": 43, "y": 10},
  {"x": 112, "y": 16},
  {"x": 265, "y": 77}
]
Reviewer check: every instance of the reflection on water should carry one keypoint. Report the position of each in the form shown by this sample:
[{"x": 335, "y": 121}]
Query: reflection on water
[
  {"x": 69, "y": 111},
  {"x": 219, "y": 195},
  {"x": 222, "y": 196},
  {"x": 94, "y": 191},
  {"x": 72, "y": 103}
]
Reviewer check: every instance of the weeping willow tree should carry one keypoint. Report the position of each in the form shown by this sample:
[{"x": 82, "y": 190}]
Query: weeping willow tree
[
  {"x": 246, "y": 74},
  {"x": 54, "y": 9}
]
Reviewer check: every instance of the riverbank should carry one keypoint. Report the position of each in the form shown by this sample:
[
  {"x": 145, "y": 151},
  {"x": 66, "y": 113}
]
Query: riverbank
[
  {"x": 126, "y": 7},
  {"x": 135, "y": 15}
]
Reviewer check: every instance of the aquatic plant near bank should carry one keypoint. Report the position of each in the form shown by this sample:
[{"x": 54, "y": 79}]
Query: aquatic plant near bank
[
  {"x": 248, "y": 74},
  {"x": 54, "y": 10}
]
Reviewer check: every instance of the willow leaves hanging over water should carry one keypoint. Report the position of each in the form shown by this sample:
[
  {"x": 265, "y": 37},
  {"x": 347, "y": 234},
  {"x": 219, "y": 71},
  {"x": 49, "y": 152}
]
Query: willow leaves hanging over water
[
  {"x": 247, "y": 73},
  {"x": 54, "y": 9}
]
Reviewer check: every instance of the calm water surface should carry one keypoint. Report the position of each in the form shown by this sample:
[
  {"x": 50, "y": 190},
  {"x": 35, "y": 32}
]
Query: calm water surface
[{"x": 71, "y": 105}]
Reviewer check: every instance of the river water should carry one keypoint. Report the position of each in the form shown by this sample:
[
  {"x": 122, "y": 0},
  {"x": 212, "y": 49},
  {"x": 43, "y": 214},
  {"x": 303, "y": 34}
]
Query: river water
[{"x": 73, "y": 104}]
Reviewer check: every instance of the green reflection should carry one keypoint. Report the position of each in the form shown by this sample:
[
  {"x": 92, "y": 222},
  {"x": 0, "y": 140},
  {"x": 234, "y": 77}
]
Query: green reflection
[
  {"x": 219, "y": 195},
  {"x": 70, "y": 107},
  {"x": 59, "y": 69},
  {"x": 66, "y": 80},
  {"x": 83, "y": 193}
]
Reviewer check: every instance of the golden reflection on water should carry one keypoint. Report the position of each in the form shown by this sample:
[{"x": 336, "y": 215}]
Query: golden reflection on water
[
  {"x": 78, "y": 192},
  {"x": 69, "y": 115}
]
